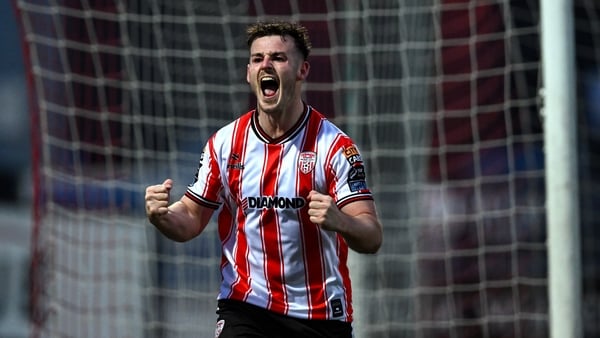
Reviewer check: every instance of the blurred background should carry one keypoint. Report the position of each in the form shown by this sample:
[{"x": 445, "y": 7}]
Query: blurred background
[{"x": 15, "y": 180}]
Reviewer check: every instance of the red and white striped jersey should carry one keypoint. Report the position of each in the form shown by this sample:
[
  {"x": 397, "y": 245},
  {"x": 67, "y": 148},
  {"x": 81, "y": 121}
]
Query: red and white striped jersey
[{"x": 273, "y": 256}]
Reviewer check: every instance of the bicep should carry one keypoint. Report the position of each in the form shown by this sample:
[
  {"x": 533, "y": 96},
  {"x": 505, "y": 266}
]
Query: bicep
[
  {"x": 199, "y": 214},
  {"x": 361, "y": 207},
  {"x": 364, "y": 232}
]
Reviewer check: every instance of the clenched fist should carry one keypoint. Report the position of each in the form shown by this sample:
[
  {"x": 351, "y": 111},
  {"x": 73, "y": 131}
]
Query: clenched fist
[
  {"x": 323, "y": 211},
  {"x": 157, "y": 199}
]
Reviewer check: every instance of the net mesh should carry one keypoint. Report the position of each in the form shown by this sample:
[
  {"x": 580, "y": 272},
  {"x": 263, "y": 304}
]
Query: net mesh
[{"x": 441, "y": 96}]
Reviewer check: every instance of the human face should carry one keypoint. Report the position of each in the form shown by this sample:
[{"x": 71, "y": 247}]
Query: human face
[{"x": 275, "y": 73}]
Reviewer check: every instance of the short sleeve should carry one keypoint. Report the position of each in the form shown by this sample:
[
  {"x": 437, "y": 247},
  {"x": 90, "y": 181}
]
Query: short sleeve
[
  {"x": 207, "y": 182},
  {"x": 350, "y": 183}
]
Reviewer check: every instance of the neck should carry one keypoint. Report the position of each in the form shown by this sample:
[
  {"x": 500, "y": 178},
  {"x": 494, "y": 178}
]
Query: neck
[{"x": 277, "y": 123}]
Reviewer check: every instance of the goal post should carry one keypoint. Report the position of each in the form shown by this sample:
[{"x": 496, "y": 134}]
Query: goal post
[
  {"x": 442, "y": 97},
  {"x": 562, "y": 187}
]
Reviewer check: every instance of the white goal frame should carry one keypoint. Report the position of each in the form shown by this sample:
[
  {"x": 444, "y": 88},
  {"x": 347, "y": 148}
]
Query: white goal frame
[{"x": 562, "y": 193}]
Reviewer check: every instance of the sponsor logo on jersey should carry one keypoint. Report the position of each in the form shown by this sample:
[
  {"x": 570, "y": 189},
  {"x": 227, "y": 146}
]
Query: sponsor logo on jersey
[
  {"x": 306, "y": 161},
  {"x": 352, "y": 155},
  {"x": 273, "y": 202}
]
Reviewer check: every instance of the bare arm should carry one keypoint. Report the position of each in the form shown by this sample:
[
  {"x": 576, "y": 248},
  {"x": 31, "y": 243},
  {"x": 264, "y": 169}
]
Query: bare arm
[
  {"x": 357, "y": 222},
  {"x": 180, "y": 221}
]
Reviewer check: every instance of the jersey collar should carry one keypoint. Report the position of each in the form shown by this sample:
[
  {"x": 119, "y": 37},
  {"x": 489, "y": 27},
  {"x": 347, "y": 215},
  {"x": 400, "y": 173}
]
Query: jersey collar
[{"x": 293, "y": 131}]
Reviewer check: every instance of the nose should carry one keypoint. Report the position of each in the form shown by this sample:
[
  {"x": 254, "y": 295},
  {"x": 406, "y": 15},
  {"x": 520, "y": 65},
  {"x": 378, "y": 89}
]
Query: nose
[{"x": 266, "y": 62}]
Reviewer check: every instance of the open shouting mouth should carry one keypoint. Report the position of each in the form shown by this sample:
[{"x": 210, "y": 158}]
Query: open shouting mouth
[{"x": 269, "y": 85}]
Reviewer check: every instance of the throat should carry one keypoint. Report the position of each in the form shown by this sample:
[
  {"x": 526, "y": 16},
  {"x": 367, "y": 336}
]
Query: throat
[{"x": 276, "y": 124}]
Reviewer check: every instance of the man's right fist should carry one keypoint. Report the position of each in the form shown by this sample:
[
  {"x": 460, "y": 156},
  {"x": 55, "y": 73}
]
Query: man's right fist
[{"x": 157, "y": 199}]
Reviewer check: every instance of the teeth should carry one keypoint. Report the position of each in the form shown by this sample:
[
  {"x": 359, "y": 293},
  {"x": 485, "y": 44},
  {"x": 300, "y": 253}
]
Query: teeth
[{"x": 268, "y": 85}]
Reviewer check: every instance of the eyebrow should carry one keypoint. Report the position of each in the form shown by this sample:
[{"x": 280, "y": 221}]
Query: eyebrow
[{"x": 269, "y": 53}]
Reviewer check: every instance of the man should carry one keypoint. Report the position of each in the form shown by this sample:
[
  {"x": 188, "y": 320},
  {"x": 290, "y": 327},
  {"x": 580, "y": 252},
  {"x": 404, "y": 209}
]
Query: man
[{"x": 292, "y": 198}]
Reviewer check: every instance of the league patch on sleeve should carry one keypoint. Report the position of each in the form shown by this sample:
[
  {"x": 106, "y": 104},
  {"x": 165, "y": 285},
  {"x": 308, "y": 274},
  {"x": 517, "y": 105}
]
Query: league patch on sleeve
[
  {"x": 356, "y": 175},
  {"x": 356, "y": 178}
]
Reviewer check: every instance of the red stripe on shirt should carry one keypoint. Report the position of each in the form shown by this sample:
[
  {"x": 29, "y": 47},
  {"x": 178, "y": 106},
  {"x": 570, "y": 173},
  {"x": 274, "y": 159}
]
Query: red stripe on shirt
[
  {"x": 342, "y": 247},
  {"x": 344, "y": 271},
  {"x": 330, "y": 174},
  {"x": 241, "y": 287},
  {"x": 270, "y": 231},
  {"x": 311, "y": 236}
]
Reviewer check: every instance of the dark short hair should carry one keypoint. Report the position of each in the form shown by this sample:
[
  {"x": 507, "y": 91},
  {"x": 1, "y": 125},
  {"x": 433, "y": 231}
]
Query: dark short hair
[{"x": 298, "y": 32}]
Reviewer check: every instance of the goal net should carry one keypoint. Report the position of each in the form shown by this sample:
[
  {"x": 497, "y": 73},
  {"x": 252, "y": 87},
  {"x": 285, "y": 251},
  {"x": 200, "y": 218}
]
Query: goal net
[{"x": 441, "y": 96}]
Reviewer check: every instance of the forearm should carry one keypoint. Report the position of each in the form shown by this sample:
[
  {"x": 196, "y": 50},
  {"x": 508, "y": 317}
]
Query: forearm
[
  {"x": 178, "y": 224},
  {"x": 362, "y": 232}
]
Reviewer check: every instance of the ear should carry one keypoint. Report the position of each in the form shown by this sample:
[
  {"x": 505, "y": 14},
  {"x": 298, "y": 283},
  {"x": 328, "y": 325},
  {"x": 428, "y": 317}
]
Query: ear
[
  {"x": 248, "y": 73},
  {"x": 304, "y": 70}
]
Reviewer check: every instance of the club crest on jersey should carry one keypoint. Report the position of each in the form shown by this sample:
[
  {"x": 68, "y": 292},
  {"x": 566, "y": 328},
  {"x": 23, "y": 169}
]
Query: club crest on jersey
[{"x": 307, "y": 161}]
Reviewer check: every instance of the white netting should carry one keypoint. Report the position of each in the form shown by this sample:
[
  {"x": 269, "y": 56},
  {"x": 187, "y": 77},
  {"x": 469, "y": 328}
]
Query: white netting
[{"x": 440, "y": 95}]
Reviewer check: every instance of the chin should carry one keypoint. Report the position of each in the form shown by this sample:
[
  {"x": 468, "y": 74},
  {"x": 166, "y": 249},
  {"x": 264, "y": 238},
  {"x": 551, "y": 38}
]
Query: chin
[
  {"x": 269, "y": 105},
  {"x": 269, "y": 109}
]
